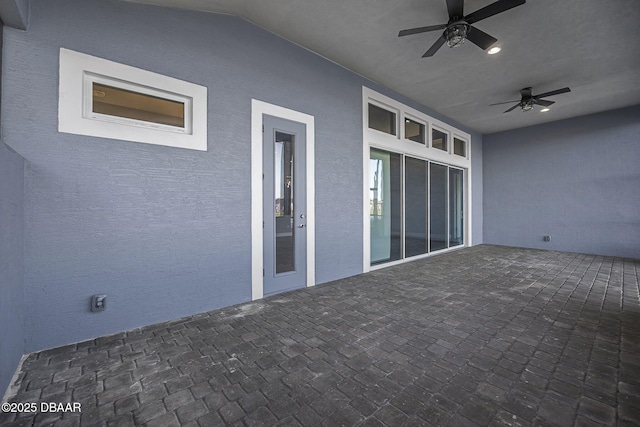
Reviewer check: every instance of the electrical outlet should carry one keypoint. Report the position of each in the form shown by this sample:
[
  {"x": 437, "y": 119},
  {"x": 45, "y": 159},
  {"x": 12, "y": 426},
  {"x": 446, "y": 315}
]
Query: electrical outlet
[
  {"x": 98, "y": 302},
  {"x": 547, "y": 238}
]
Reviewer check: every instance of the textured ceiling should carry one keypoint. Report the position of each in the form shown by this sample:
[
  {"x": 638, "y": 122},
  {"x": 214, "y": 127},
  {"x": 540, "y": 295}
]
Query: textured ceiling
[{"x": 592, "y": 46}]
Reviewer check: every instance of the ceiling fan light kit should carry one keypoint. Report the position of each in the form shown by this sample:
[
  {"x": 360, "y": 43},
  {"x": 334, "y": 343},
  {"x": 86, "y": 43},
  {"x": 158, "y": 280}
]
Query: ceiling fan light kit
[{"x": 456, "y": 34}]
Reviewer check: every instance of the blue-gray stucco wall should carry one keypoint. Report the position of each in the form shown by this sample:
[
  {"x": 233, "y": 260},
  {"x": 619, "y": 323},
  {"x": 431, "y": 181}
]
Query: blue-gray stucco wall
[
  {"x": 576, "y": 180},
  {"x": 165, "y": 232},
  {"x": 11, "y": 263}
]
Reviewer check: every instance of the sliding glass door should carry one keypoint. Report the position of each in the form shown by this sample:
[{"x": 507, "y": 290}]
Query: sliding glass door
[
  {"x": 415, "y": 206},
  {"x": 385, "y": 206},
  {"x": 438, "y": 207},
  {"x": 456, "y": 207},
  {"x": 416, "y": 241}
]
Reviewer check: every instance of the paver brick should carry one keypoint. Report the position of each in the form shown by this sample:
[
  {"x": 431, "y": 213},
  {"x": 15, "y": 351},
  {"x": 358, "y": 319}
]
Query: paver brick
[
  {"x": 191, "y": 411},
  {"x": 126, "y": 405},
  {"x": 522, "y": 405},
  {"x": 178, "y": 399},
  {"x": 252, "y": 401},
  {"x": 148, "y": 412},
  {"x": 597, "y": 411},
  {"x": 555, "y": 413},
  {"x": 231, "y": 412},
  {"x": 168, "y": 419},
  {"x": 261, "y": 417},
  {"x": 390, "y": 415}
]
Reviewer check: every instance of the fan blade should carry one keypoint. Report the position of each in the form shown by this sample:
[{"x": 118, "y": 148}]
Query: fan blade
[
  {"x": 513, "y": 108},
  {"x": 553, "y": 92},
  {"x": 433, "y": 49},
  {"x": 543, "y": 102},
  {"x": 506, "y": 102},
  {"x": 455, "y": 9},
  {"x": 480, "y": 38},
  {"x": 419, "y": 30},
  {"x": 493, "y": 9}
]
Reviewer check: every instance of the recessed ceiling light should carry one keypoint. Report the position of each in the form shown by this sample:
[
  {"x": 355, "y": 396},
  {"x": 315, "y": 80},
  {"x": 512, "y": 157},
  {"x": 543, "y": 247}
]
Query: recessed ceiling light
[
  {"x": 494, "y": 50},
  {"x": 544, "y": 110}
]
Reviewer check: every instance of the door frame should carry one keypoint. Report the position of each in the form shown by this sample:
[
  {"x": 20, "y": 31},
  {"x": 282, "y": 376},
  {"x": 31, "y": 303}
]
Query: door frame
[{"x": 258, "y": 110}]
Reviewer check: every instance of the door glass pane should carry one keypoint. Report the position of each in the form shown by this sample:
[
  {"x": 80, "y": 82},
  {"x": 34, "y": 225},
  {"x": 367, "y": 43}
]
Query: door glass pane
[
  {"x": 385, "y": 197},
  {"x": 413, "y": 131},
  {"x": 285, "y": 237},
  {"x": 456, "y": 206},
  {"x": 438, "y": 212},
  {"x": 114, "y": 101},
  {"x": 382, "y": 120},
  {"x": 439, "y": 140},
  {"x": 416, "y": 180}
]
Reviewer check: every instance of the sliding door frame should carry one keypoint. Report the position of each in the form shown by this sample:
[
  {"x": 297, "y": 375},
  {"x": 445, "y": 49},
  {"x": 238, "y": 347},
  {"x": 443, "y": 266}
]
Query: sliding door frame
[{"x": 397, "y": 143}]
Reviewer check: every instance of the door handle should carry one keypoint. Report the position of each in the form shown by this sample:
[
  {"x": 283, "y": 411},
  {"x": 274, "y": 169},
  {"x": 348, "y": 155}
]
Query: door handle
[{"x": 301, "y": 226}]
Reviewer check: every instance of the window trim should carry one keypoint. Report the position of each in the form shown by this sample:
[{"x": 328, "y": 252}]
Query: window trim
[
  {"x": 398, "y": 144},
  {"x": 78, "y": 71}
]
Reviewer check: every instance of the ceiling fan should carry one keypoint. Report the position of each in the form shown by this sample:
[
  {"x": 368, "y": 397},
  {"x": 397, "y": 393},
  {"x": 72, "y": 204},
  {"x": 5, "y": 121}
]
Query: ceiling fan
[
  {"x": 528, "y": 100},
  {"x": 459, "y": 28}
]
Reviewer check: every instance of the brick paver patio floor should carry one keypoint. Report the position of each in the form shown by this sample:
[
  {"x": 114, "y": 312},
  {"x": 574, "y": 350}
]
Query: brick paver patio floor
[{"x": 486, "y": 335}]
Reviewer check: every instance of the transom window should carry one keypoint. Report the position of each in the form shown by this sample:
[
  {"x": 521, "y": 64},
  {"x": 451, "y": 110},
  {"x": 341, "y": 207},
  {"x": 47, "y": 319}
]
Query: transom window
[
  {"x": 382, "y": 119},
  {"x": 125, "y": 103},
  {"x": 439, "y": 140},
  {"x": 114, "y": 101},
  {"x": 414, "y": 131},
  {"x": 459, "y": 147}
]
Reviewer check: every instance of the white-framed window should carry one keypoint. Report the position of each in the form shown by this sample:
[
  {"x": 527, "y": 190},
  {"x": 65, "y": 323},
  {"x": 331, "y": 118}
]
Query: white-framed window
[
  {"x": 416, "y": 185},
  {"x": 440, "y": 138},
  {"x": 102, "y": 98},
  {"x": 415, "y": 129},
  {"x": 460, "y": 146},
  {"x": 382, "y": 118}
]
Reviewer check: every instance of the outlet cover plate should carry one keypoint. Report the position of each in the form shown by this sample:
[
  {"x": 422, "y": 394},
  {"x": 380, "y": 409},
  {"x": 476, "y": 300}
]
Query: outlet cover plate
[{"x": 98, "y": 303}]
